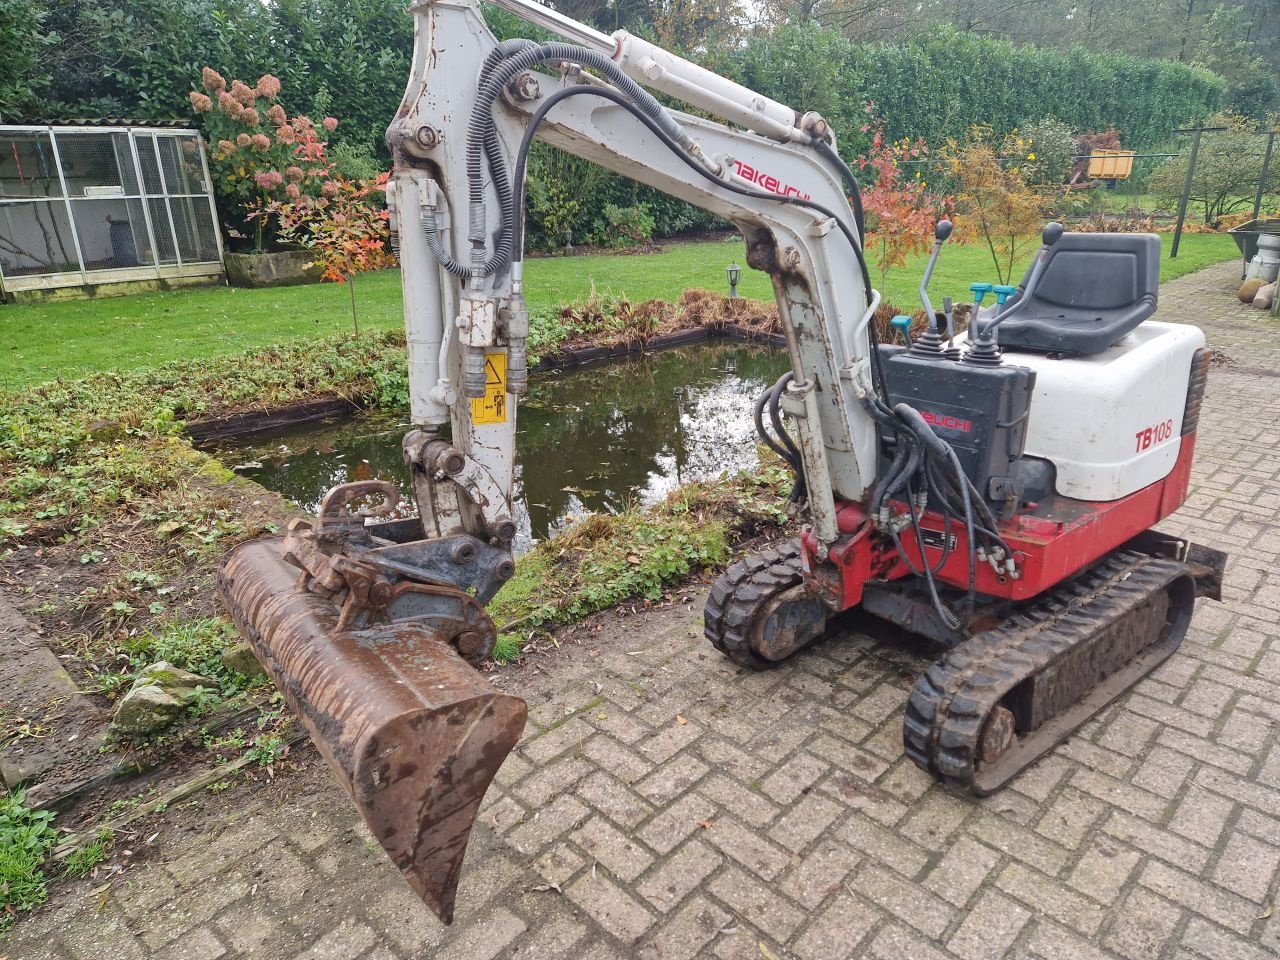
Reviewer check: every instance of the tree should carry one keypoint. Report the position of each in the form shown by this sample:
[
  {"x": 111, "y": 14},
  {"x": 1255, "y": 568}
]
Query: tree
[
  {"x": 1227, "y": 170},
  {"x": 994, "y": 206},
  {"x": 23, "y": 39}
]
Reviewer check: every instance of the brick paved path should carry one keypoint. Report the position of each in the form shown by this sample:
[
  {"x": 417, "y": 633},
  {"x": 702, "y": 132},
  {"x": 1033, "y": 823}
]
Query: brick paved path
[{"x": 683, "y": 808}]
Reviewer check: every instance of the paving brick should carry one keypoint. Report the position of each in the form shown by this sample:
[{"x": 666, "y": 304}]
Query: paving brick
[
  {"x": 669, "y": 883},
  {"x": 932, "y": 822},
  {"x": 1201, "y": 816},
  {"x": 740, "y": 799},
  {"x": 547, "y": 824},
  {"x": 614, "y": 850},
  {"x": 794, "y": 778},
  {"x": 1247, "y": 867},
  {"x": 856, "y": 794},
  {"x": 558, "y": 864},
  {"x": 612, "y": 756},
  {"x": 1220, "y": 906},
  {"x": 555, "y": 742},
  {"x": 681, "y": 937},
  {"x": 349, "y": 938},
  {"x": 837, "y": 931},
  {"x": 907, "y": 901},
  {"x": 895, "y": 942},
  {"x": 666, "y": 830},
  {"x": 671, "y": 779},
  {"x": 669, "y": 740},
  {"x": 731, "y": 760},
  {"x": 1050, "y": 897},
  {"x": 550, "y": 938},
  {"x": 1121, "y": 795},
  {"x": 757, "y": 854},
  {"x": 989, "y": 928},
  {"x": 1161, "y": 843},
  {"x": 1215, "y": 944},
  {"x": 551, "y": 780},
  {"x": 1163, "y": 772},
  {"x": 1049, "y": 941},
  {"x": 820, "y": 874},
  {"x": 883, "y": 845},
  {"x": 1070, "y": 818},
  {"x": 804, "y": 822},
  {"x": 756, "y": 903},
  {"x": 961, "y": 871},
  {"x": 610, "y": 906},
  {"x": 614, "y": 799},
  {"x": 487, "y": 937},
  {"x": 1128, "y": 734},
  {"x": 1104, "y": 869},
  {"x": 1020, "y": 844}
]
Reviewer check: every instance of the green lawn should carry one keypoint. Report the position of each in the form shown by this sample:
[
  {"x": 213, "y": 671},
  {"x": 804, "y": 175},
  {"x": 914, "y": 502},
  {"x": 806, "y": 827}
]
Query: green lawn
[{"x": 39, "y": 343}]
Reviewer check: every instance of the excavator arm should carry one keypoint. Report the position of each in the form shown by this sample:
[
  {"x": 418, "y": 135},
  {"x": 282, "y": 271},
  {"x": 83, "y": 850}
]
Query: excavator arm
[{"x": 372, "y": 625}]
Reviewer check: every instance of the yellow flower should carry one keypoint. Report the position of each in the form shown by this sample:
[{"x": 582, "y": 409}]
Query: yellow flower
[{"x": 1031, "y": 155}]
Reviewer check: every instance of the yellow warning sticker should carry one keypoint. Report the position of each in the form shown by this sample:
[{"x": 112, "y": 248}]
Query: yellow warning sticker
[{"x": 492, "y": 407}]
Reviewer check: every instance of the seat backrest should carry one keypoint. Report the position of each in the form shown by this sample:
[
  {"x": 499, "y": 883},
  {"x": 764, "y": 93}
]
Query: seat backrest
[{"x": 1096, "y": 288}]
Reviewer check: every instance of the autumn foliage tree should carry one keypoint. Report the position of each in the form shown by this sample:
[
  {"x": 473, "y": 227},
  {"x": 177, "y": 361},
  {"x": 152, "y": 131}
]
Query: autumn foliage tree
[
  {"x": 900, "y": 210},
  {"x": 346, "y": 227},
  {"x": 994, "y": 204}
]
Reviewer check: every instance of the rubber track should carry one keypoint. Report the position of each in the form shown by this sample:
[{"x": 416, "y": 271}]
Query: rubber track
[
  {"x": 965, "y": 685},
  {"x": 739, "y": 593}
]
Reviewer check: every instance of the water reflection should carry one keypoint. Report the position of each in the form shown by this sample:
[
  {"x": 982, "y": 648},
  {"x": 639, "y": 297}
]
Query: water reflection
[{"x": 594, "y": 439}]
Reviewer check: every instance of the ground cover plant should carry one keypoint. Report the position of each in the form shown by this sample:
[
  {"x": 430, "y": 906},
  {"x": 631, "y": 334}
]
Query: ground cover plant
[
  {"x": 71, "y": 339},
  {"x": 26, "y": 837}
]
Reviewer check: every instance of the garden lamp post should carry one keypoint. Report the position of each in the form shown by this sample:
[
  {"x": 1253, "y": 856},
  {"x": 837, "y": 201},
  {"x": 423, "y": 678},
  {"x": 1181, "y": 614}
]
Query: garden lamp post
[{"x": 734, "y": 273}]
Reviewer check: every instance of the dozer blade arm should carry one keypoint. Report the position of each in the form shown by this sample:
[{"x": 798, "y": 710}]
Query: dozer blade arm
[{"x": 412, "y": 731}]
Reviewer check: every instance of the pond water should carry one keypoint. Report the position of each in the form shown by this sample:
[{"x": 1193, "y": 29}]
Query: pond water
[{"x": 591, "y": 439}]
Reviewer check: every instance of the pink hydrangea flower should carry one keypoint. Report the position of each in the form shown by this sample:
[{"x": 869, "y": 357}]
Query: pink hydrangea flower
[
  {"x": 227, "y": 147},
  {"x": 250, "y": 116},
  {"x": 243, "y": 139},
  {"x": 269, "y": 86},
  {"x": 303, "y": 124},
  {"x": 285, "y": 134},
  {"x": 261, "y": 141},
  {"x": 276, "y": 114},
  {"x": 212, "y": 80},
  {"x": 293, "y": 191},
  {"x": 330, "y": 188},
  {"x": 244, "y": 93},
  {"x": 268, "y": 179},
  {"x": 199, "y": 102},
  {"x": 294, "y": 173},
  {"x": 330, "y": 123},
  {"x": 227, "y": 103}
]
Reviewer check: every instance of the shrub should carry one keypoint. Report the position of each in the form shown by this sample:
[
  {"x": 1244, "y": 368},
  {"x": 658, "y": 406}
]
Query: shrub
[
  {"x": 1227, "y": 170},
  {"x": 1050, "y": 151}
]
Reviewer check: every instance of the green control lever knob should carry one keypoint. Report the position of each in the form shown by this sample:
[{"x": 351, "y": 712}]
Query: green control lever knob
[
  {"x": 902, "y": 323},
  {"x": 1003, "y": 292},
  {"x": 979, "y": 291}
]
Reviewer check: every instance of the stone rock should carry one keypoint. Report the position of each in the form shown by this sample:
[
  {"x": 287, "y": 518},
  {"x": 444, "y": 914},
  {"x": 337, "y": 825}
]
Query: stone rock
[
  {"x": 279, "y": 269},
  {"x": 159, "y": 695},
  {"x": 146, "y": 709},
  {"x": 1249, "y": 289},
  {"x": 1265, "y": 296},
  {"x": 170, "y": 529},
  {"x": 240, "y": 659}
]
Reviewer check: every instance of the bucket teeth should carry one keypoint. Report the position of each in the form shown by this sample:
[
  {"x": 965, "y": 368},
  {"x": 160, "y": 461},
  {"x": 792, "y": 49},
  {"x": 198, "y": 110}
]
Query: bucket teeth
[{"x": 411, "y": 730}]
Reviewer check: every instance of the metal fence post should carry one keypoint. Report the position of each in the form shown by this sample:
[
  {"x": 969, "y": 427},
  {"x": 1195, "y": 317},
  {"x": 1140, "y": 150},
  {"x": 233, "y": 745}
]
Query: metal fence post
[{"x": 1262, "y": 178}]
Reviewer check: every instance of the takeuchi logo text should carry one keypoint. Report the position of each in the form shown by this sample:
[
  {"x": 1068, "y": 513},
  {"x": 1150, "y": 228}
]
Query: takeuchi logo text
[{"x": 767, "y": 181}]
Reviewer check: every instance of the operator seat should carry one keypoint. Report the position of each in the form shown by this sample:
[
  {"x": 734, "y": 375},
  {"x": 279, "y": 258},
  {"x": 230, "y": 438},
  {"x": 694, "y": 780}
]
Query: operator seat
[{"x": 1096, "y": 287}]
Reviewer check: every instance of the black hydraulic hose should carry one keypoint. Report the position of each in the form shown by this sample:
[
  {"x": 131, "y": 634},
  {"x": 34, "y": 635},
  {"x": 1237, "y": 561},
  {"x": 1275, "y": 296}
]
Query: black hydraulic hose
[
  {"x": 762, "y": 433},
  {"x": 882, "y": 488},
  {"x": 944, "y": 451},
  {"x": 855, "y": 194}
]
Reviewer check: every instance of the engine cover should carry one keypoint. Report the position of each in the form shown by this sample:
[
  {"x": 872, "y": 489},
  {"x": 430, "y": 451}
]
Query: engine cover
[{"x": 1111, "y": 422}]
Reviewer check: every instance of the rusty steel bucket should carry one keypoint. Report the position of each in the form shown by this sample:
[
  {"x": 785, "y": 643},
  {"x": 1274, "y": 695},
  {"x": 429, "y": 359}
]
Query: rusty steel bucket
[{"x": 412, "y": 731}]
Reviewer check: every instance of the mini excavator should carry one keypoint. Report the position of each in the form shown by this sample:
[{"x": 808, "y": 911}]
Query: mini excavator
[{"x": 994, "y": 490}]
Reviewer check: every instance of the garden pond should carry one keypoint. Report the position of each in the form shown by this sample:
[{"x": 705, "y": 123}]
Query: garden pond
[{"x": 599, "y": 438}]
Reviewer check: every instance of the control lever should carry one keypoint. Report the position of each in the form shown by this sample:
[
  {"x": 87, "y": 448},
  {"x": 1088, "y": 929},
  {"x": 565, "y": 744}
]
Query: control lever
[
  {"x": 1051, "y": 235},
  {"x": 940, "y": 234},
  {"x": 902, "y": 323}
]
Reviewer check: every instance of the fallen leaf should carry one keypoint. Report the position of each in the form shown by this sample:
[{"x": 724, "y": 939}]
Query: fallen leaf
[
  {"x": 681, "y": 720},
  {"x": 706, "y": 824},
  {"x": 544, "y": 887},
  {"x": 1266, "y": 913},
  {"x": 602, "y": 716},
  {"x": 766, "y": 952},
  {"x": 632, "y": 558}
]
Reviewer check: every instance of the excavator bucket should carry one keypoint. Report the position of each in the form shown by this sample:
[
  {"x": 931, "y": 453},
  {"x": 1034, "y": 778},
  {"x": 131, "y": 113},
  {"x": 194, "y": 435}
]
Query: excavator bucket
[{"x": 412, "y": 731}]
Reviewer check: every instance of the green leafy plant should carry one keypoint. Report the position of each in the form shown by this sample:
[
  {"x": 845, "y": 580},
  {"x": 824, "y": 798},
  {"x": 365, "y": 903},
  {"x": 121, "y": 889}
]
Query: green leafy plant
[
  {"x": 81, "y": 861},
  {"x": 1226, "y": 173},
  {"x": 26, "y": 837}
]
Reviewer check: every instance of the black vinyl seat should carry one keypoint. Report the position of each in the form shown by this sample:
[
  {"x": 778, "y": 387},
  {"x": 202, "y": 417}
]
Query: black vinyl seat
[{"x": 1096, "y": 288}]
